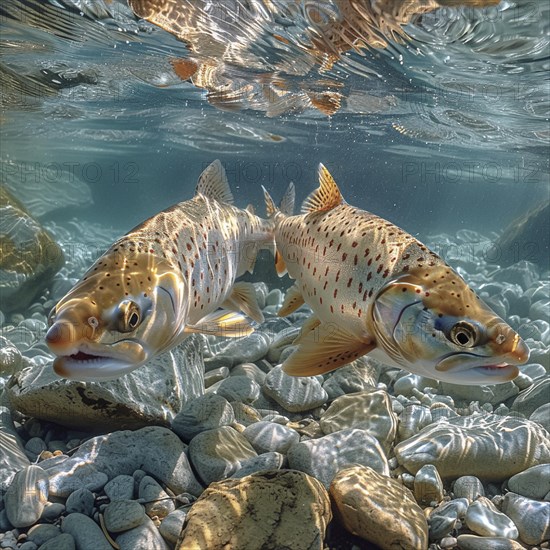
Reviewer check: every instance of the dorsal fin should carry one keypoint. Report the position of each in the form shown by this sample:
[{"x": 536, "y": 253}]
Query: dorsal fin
[
  {"x": 326, "y": 197},
  {"x": 213, "y": 184},
  {"x": 287, "y": 202}
]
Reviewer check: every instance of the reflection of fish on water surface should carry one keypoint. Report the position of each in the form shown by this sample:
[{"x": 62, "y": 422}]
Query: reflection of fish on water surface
[
  {"x": 161, "y": 282},
  {"x": 223, "y": 37},
  {"x": 374, "y": 288}
]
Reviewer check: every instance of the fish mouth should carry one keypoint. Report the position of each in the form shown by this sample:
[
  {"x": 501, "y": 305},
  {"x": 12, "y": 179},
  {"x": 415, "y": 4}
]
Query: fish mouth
[
  {"x": 468, "y": 368},
  {"x": 95, "y": 365}
]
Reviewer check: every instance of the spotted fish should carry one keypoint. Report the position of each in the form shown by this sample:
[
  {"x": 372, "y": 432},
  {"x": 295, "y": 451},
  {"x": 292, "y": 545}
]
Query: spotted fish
[
  {"x": 164, "y": 280},
  {"x": 375, "y": 289}
]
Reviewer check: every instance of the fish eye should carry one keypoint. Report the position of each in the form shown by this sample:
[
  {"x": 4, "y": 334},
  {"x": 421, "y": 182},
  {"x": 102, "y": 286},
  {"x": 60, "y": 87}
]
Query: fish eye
[
  {"x": 463, "y": 334},
  {"x": 128, "y": 316}
]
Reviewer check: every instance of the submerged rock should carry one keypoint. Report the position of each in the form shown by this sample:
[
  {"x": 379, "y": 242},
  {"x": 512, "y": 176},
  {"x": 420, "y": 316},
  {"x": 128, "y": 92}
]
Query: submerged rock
[
  {"x": 269, "y": 509},
  {"x": 531, "y": 517},
  {"x": 12, "y": 455},
  {"x": 489, "y": 447},
  {"x": 378, "y": 509},
  {"x": 29, "y": 257},
  {"x": 152, "y": 394}
]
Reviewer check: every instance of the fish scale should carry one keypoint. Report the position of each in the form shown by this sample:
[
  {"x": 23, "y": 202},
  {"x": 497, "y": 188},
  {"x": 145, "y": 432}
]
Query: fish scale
[
  {"x": 164, "y": 280},
  {"x": 376, "y": 289}
]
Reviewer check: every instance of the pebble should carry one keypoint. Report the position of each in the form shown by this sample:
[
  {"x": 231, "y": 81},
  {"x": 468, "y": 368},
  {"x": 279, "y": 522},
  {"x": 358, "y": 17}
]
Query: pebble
[
  {"x": 219, "y": 453},
  {"x": 244, "y": 350},
  {"x": 245, "y": 414},
  {"x": 215, "y": 375},
  {"x": 11, "y": 360},
  {"x": 120, "y": 488},
  {"x": 13, "y": 457},
  {"x": 294, "y": 393},
  {"x": 412, "y": 419},
  {"x": 154, "y": 449},
  {"x": 145, "y": 535},
  {"x": 264, "y": 510},
  {"x": 204, "y": 413},
  {"x": 440, "y": 526},
  {"x": 529, "y": 400},
  {"x": 250, "y": 370},
  {"x": 62, "y": 542},
  {"x": 265, "y": 461},
  {"x": 360, "y": 375},
  {"x": 409, "y": 382},
  {"x": 531, "y": 517},
  {"x": 469, "y": 487},
  {"x": 498, "y": 447},
  {"x": 122, "y": 515},
  {"x": 489, "y": 523},
  {"x": 268, "y": 437},
  {"x": 26, "y": 496},
  {"x": 42, "y": 532},
  {"x": 324, "y": 457},
  {"x": 170, "y": 527},
  {"x": 428, "y": 486},
  {"x": 35, "y": 445},
  {"x": 81, "y": 501},
  {"x": 150, "y": 490},
  {"x": 52, "y": 511},
  {"x": 28, "y": 546},
  {"x": 370, "y": 411},
  {"x": 72, "y": 474},
  {"x": 238, "y": 388},
  {"x": 473, "y": 542},
  {"x": 532, "y": 483},
  {"x": 378, "y": 509},
  {"x": 85, "y": 531}
]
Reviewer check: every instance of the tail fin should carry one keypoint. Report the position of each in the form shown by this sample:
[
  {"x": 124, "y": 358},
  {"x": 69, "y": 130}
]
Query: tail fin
[{"x": 287, "y": 202}]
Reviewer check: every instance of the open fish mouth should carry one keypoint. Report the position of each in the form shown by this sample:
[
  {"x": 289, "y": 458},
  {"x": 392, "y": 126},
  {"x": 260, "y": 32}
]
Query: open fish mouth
[
  {"x": 502, "y": 369},
  {"x": 95, "y": 366}
]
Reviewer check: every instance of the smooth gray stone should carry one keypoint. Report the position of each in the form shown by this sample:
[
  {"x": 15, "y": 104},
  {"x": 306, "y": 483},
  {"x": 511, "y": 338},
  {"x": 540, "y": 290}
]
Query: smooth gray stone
[
  {"x": 123, "y": 515},
  {"x": 13, "y": 457},
  {"x": 294, "y": 393},
  {"x": 498, "y": 447},
  {"x": 494, "y": 394},
  {"x": 214, "y": 376},
  {"x": 361, "y": 375},
  {"x": 171, "y": 525},
  {"x": 250, "y": 370},
  {"x": 532, "y": 483},
  {"x": 154, "y": 498},
  {"x": 154, "y": 449},
  {"x": 239, "y": 388},
  {"x": 62, "y": 542},
  {"x": 265, "y": 461},
  {"x": 469, "y": 487},
  {"x": 439, "y": 526},
  {"x": 473, "y": 542},
  {"x": 268, "y": 437},
  {"x": 428, "y": 486},
  {"x": 26, "y": 496},
  {"x": 52, "y": 511},
  {"x": 529, "y": 400},
  {"x": 145, "y": 536},
  {"x": 542, "y": 416},
  {"x": 42, "y": 532},
  {"x": 324, "y": 457},
  {"x": 86, "y": 532},
  {"x": 81, "y": 501},
  {"x": 120, "y": 488},
  {"x": 204, "y": 413},
  {"x": 412, "y": 419},
  {"x": 489, "y": 523},
  {"x": 531, "y": 517},
  {"x": 217, "y": 454},
  {"x": 28, "y": 546},
  {"x": 71, "y": 474}
]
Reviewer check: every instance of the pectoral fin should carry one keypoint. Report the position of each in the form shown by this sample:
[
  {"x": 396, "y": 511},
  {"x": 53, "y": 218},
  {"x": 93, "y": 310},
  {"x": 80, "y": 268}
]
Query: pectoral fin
[
  {"x": 293, "y": 300},
  {"x": 243, "y": 298},
  {"x": 223, "y": 323},
  {"x": 324, "y": 349},
  {"x": 311, "y": 324},
  {"x": 280, "y": 265}
]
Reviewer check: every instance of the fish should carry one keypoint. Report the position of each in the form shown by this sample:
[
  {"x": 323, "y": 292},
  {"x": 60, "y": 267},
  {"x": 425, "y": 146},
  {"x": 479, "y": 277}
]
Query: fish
[
  {"x": 164, "y": 280},
  {"x": 375, "y": 289}
]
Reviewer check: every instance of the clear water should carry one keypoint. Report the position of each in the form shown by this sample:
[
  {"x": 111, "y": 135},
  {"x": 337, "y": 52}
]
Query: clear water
[{"x": 443, "y": 121}]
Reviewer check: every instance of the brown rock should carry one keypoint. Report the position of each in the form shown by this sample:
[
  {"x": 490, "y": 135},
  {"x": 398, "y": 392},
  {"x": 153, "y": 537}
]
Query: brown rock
[
  {"x": 378, "y": 509},
  {"x": 29, "y": 257},
  {"x": 263, "y": 511}
]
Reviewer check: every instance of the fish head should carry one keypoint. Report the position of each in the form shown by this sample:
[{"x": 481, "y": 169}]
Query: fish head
[
  {"x": 432, "y": 323},
  {"x": 113, "y": 320}
]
